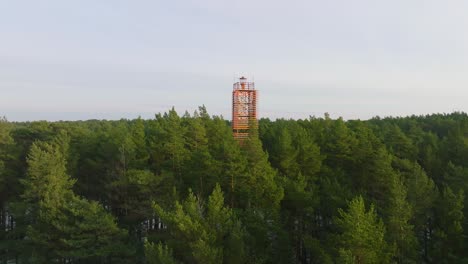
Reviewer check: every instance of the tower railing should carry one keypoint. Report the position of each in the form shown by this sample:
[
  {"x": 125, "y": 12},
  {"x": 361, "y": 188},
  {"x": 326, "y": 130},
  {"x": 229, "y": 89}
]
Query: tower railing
[{"x": 244, "y": 108}]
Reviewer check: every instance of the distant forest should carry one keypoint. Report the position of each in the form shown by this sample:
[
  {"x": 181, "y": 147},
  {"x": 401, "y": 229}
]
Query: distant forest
[{"x": 180, "y": 189}]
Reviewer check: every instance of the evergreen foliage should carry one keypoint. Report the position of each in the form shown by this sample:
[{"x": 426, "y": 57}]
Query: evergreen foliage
[
  {"x": 362, "y": 238},
  {"x": 180, "y": 189}
]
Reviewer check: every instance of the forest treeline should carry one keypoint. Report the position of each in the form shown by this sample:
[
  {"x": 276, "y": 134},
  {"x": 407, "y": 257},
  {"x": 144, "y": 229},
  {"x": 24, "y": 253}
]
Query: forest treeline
[{"x": 180, "y": 189}]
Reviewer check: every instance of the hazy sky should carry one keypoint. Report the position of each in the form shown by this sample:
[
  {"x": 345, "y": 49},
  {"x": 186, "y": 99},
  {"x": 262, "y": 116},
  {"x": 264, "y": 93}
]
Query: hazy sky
[{"x": 82, "y": 59}]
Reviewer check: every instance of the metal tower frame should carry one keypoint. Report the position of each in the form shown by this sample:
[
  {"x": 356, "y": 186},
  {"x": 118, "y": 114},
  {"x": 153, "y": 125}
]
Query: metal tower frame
[{"x": 244, "y": 108}]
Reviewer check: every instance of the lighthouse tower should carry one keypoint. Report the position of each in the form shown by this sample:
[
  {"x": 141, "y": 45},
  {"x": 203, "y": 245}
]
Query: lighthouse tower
[{"x": 244, "y": 108}]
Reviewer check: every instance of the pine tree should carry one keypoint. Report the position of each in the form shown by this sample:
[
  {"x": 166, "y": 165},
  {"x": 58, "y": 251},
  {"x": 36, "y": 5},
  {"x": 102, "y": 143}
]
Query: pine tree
[
  {"x": 159, "y": 254},
  {"x": 61, "y": 224},
  {"x": 362, "y": 238},
  {"x": 400, "y": 230},
  {"x": 200, "y": 235},
  {"x": 338, "y": 143},
  {"x": 6, "y": 141},
  {"x": 138, "y": 136},
  {"x": 259, "y": 185},
  {"x": 399, "y": 144},
  {"x": 174, "y": 142},
  {"x": 8, "y": 188},
  {"x": 421, "y": 195},
  {"x": 448, "y": 246},
  {"x": 228, "y": 161},
  {"x": 199, "y": 171}
]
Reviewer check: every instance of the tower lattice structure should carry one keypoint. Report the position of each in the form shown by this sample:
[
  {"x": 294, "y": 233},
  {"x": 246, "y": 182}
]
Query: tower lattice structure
[{"x": 244, "y": 108}]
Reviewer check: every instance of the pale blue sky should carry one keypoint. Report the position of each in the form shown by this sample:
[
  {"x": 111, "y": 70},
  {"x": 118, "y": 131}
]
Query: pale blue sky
[{"x": 110, "y": 59}]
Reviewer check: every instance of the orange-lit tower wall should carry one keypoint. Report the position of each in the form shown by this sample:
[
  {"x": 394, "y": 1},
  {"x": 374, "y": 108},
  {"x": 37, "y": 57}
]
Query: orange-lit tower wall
[{"x": 244, "y": 108}]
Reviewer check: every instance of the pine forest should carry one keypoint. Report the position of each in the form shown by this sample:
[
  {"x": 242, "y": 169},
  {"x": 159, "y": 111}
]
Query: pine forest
[{"x": 181, "y": 189}]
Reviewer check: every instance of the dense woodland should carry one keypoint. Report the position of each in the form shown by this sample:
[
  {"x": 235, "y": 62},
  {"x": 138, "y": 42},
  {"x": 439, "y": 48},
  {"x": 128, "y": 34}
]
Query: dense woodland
[{"x": 180, "y": 189}]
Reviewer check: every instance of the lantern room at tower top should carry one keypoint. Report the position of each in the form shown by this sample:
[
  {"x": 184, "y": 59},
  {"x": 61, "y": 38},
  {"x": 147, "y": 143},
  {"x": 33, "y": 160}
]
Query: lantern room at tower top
[{"x": 244, "y": 108}]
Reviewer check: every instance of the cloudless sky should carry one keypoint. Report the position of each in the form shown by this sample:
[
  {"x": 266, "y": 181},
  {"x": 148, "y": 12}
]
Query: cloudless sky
[{"x": 113, "y": 58}]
